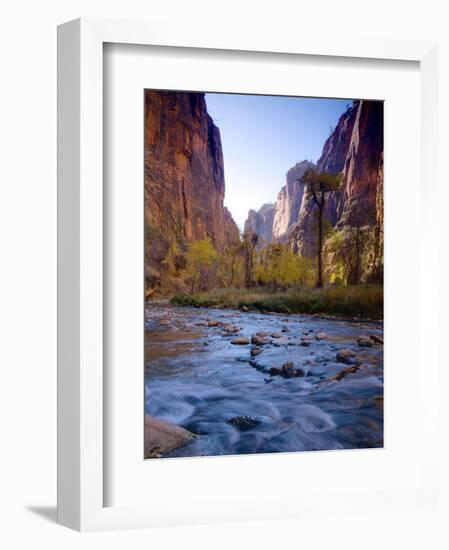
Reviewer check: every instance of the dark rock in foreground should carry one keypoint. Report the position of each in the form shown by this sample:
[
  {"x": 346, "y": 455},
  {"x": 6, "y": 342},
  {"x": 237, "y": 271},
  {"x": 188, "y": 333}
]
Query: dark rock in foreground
[{"x": 244, "y": 423}]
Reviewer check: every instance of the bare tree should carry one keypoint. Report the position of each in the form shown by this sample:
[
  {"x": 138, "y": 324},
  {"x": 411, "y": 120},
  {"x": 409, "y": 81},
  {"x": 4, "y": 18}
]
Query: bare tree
[
  {"x": 318, "y": 186},
  {"x": 250, "y": 242}
]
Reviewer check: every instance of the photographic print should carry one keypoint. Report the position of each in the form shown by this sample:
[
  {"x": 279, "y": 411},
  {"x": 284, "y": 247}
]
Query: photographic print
[{"x": 263, "y": 305}]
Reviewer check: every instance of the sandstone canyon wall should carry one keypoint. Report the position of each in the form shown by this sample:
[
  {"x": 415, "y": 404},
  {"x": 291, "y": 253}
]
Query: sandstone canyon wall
[
  {"x": 355, "y": 149},
  {"x": 184, "y": 176}
]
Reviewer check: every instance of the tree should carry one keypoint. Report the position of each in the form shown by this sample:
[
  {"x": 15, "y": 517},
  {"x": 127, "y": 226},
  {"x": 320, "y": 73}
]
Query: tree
[
  {"x": 234, "y": 255},
  {"x": 318, "y": 185},
  {"x": 249, "y": 244},
  {"x": 175, "y": 260},
  {"x": 277, "y": 265},
  {"x": 200, "y": 257},
  {"x": 348, "y": 248}
]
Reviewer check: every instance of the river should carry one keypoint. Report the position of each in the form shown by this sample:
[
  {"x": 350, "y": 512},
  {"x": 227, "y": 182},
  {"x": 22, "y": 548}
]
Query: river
[{"x": 196, "y": 378}]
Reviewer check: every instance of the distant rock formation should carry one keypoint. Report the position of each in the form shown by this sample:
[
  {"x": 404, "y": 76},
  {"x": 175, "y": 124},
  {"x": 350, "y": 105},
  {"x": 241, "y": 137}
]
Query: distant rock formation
[
  {"x": 261, "y": 222},
  {"x": 184, "y": 176},
  {"x": 289, "y": 200}
]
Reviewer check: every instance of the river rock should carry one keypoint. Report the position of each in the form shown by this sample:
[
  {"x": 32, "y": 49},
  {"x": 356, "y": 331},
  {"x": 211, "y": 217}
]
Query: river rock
[
  {"x": 240, "y": 341},
  {"x": 244, "y": 308},
  {"x": 164, "y": 322},
  {"x": 213, "y": 323},
  {"x": 376, "y": 339},
  {"x": 258, "y": 340},
  {"x": 321, "y": 336},
  {"x": 256, "y": 351},
  {"x": 231, "y": 329},
  {"x": 276, "y": 335},
  {"x": 346, "y": 356},
  {"x": 161, "y": 436},
  {"x": 255, "y": 364},
  {"x": 343, "y": 373},
  {"x": 262, "y": 334},
  {"x": 365, "y": 342},
  {"x": 304, "y": 342},
  {"x": 244, "y": 423},
  {"x": 287, "y": 370}
]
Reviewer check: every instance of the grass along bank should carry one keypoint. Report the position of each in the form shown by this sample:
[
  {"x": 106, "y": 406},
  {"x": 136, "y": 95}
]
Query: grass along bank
[{"x": 364, "y": 301}]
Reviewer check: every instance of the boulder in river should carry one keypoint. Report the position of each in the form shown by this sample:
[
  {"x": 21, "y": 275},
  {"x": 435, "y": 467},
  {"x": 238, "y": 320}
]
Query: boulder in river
[
  {"x": 258, "y": 340},
  {"x": 365, "y": 342},
  {"x": 230, "y": 330},
  {"x": 240, "y": 341},
  {"x": 244, "y": 423},
  {"x": 161, "y": 437},
  {"x": 288, "y": 370},
  {"x": 321, "y": 336},
  {"x": 256, "y": 351},
  {"x": 376, "y": 339},
  {"x": 213, "y": 323},
  {"x": 262, "y": 334},
  {"x": 276, "y": 335},
  {"x": 346, "y": 356}
]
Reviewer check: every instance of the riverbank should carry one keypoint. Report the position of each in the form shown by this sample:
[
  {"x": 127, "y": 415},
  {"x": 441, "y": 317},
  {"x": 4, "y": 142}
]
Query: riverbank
[{"x": 364, "y": 301}]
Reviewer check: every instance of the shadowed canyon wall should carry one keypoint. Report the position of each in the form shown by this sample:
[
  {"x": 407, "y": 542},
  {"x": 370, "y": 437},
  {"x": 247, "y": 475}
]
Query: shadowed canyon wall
[{"x": 355, "y": 149}]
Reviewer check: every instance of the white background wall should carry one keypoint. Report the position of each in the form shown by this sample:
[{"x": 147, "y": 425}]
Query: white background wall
[{"x": 28, "y": 267}]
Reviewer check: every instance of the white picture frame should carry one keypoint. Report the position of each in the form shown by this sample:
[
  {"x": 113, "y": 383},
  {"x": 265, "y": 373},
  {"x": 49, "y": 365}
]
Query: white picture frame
[{"x": 81, "y": 476}]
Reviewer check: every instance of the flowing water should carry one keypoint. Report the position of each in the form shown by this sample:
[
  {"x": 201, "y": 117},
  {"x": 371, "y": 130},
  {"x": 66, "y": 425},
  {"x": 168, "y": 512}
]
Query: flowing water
[{"x": 197, "y": 379}]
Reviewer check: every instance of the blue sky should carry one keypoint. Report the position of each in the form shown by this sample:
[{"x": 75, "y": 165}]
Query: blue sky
[{"x": 263, "y": 137}]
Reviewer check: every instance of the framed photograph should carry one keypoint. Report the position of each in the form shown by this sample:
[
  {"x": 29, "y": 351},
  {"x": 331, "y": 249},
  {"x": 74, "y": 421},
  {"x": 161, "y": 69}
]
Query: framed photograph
[{"x": 234, "y": 288}]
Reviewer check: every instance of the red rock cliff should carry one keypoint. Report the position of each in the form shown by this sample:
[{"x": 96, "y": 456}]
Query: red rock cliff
[{"x": 184, "y": 175}]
